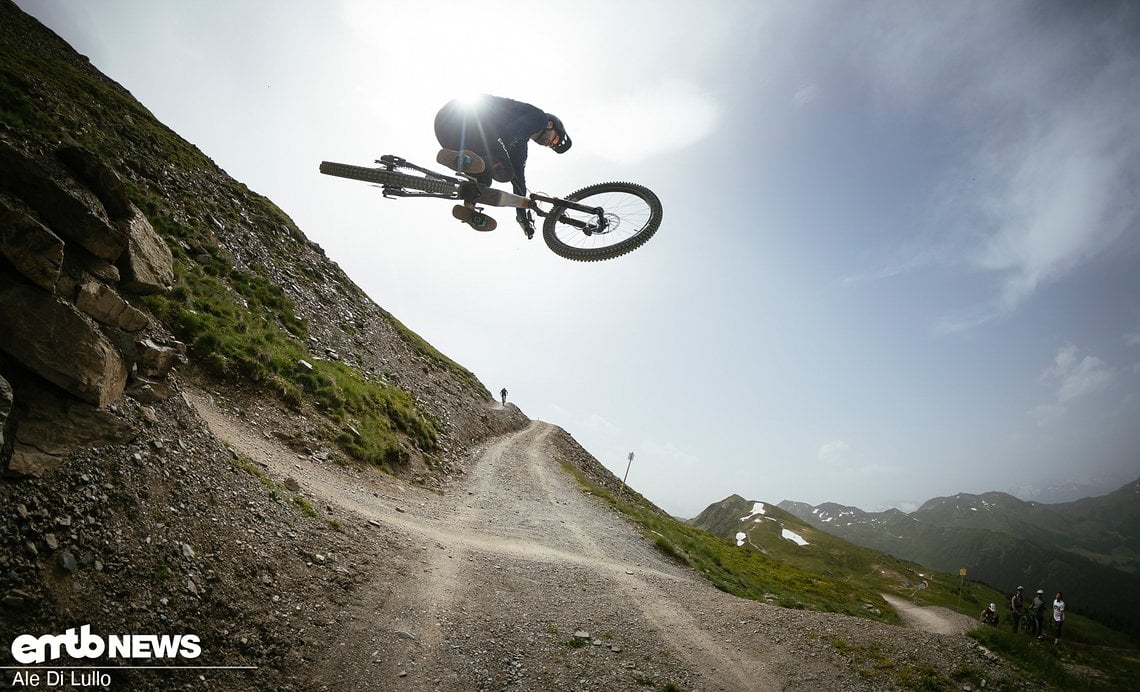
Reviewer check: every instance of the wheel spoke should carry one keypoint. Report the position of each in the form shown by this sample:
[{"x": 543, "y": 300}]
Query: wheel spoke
[{"x": 631, "y": 214}]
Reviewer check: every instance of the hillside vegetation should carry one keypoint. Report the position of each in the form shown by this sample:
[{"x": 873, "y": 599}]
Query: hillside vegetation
[
  {"x": 1087, "y": 549},
  {"x": 128, "y": 513},
  {"x": 155, "y": 524},
  {"x": 253, "y": 299}
]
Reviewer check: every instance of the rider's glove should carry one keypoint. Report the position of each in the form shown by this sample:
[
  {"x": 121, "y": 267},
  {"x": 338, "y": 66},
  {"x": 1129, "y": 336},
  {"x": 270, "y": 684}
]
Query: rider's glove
[{"x": 526, "y": 220}]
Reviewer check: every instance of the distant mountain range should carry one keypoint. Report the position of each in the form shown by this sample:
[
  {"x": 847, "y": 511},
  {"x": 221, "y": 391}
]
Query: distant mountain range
[
  {"x": 1058, "y": 493},
  {"x": 1090, "y": 548}
]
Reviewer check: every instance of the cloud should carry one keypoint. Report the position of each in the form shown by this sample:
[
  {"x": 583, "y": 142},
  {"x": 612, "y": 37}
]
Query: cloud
[
  {"x": 833, "y": 453},
  {"x": 1044, "y": 109},
  {"x": 1078, "y": 377},
  {"x": 1066, "y": 201},
  {"x": 666, "y": 452},
  {"x": 1075, "y": 377},
  {"x": 647, "y": 122},
  {"x": 597, "y": 423},
  {"x": 1059, "y": 196},
  {"x": 1132, "y": 339},
  {"x": 806, "y": 95},
  {"x": 1045, "y": 414}
]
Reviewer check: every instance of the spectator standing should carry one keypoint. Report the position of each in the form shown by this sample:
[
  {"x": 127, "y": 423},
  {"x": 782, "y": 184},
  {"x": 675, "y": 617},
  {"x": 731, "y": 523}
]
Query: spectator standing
[
  {"x": 1039, "y": 614},
  {"x": 1058, "y": 617},
  {"x": 1016, "y": 606}
]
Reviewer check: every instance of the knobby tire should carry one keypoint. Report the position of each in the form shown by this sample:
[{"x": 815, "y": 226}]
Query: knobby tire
[
  {"x": 634, "y": 213},
  {"x": 381, "y": 176}
]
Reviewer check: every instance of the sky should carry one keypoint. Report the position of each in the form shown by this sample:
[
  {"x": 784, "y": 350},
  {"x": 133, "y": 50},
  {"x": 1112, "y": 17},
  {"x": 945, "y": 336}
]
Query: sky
[{"x": 900, "y": 253}]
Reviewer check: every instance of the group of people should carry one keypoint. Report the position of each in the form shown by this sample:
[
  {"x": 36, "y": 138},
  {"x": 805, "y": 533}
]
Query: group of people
[{"x": 1035, "y": 609}]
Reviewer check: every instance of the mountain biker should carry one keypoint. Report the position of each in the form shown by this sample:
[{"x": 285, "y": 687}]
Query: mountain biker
[
  {"x": 497, "y": 129},
  {"x": 1039, "y": 614},
  {"x": 1016, "y": 605}
]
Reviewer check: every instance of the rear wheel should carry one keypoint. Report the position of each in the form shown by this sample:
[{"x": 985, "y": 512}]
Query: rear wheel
[
  {"x": 630, "y": 216},
  {"x": 388, "y": 178}
]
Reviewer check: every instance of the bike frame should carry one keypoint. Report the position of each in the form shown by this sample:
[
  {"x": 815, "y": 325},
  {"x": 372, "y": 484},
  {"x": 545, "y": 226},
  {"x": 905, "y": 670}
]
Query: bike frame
[{"x": 471, "y": 192}]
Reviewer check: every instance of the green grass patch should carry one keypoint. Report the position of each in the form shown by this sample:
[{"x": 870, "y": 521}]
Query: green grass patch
[
  {"x": 306, "y": 508},
  {"x": 161, "y": 571},
  {"x": 873, "y": 663},
  {"x": 1070, "y": 665},
  {"x": 247, "y": 465},
  {"x": 744, "y": 573},
  {"x": 238, "y": 323}
]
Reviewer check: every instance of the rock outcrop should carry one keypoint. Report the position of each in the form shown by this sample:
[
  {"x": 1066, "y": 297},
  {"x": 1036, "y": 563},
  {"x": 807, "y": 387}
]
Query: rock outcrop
[
  {"x": 7, "y": 420},
  {"x": 74, "y": 251}
]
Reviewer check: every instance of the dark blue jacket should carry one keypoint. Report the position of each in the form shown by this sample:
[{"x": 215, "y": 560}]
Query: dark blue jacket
[{"x": 496, "y": 128}]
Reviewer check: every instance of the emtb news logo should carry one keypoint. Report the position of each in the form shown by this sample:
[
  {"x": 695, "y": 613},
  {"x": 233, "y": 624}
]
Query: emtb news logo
[{"x": 30, "y": 649}]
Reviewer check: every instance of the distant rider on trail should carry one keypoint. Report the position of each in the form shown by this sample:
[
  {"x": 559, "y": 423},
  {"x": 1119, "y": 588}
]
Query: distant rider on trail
[{"x": 497, "y": 130}]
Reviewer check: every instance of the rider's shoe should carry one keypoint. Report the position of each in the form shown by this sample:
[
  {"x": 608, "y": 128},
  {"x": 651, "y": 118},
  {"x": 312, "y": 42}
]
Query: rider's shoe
[
  {"x": 477, "y": 220},
  {"x": 465, "y": 161}
]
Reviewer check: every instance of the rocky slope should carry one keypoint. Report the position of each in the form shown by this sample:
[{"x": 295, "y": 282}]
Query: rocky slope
[
  {"x": 209, "y": 430},
  {"x": 133, "y": 270}
]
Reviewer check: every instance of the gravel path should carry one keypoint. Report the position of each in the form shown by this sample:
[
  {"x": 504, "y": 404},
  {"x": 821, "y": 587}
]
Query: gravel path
[
  {"x": 937, "y": 620},
  {"x": 516, "y": 579}
]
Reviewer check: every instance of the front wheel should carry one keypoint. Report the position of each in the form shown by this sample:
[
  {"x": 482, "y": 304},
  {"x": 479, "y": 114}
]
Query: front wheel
[{"x": 630, "y": 216}]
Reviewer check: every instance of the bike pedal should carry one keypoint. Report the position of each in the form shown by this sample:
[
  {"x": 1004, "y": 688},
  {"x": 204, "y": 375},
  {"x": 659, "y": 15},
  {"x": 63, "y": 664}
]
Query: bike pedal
[{"x": 477, "y": 220}]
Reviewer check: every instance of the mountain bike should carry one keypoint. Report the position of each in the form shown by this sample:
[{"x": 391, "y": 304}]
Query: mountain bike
[
  {"x": 597, "y": 222},
  {"x": 1028, "y": 626}
]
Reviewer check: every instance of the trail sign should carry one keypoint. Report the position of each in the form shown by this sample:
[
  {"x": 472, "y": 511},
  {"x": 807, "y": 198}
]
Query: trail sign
[{"x": 623, "y": 479}]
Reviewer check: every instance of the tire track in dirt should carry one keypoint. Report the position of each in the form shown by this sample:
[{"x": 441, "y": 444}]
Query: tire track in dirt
[
  {"x": 678, "y": 625},
  {"x": 929, "y": 618},
  {"x": 517, "y": 509}
]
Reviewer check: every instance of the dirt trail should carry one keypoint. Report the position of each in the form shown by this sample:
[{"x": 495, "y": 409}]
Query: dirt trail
[
  {"x": 521, "y": 539},
  {"x": 937, "y": 620},
  {"x": 517, "y": 579}
]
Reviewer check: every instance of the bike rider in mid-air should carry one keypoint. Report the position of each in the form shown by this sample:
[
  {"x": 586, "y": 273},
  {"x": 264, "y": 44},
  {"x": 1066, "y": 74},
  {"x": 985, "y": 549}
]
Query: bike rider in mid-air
[{"x": 497, "y": 129}]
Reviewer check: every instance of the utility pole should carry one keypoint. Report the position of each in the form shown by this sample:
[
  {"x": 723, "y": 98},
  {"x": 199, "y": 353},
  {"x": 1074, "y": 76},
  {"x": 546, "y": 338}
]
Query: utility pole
[{"x": 622, "y": 491}]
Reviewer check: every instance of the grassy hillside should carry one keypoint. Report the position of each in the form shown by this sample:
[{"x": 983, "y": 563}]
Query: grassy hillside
[
  {"x": 1006, "y": 542},
  {"x": 782, "y": 538},
  {"x": 1103, "y": 529},
  {"x": 1095, "y": 656},
  {"x": 254, "y": 301},
  {"x": 260, "y": 308}
]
